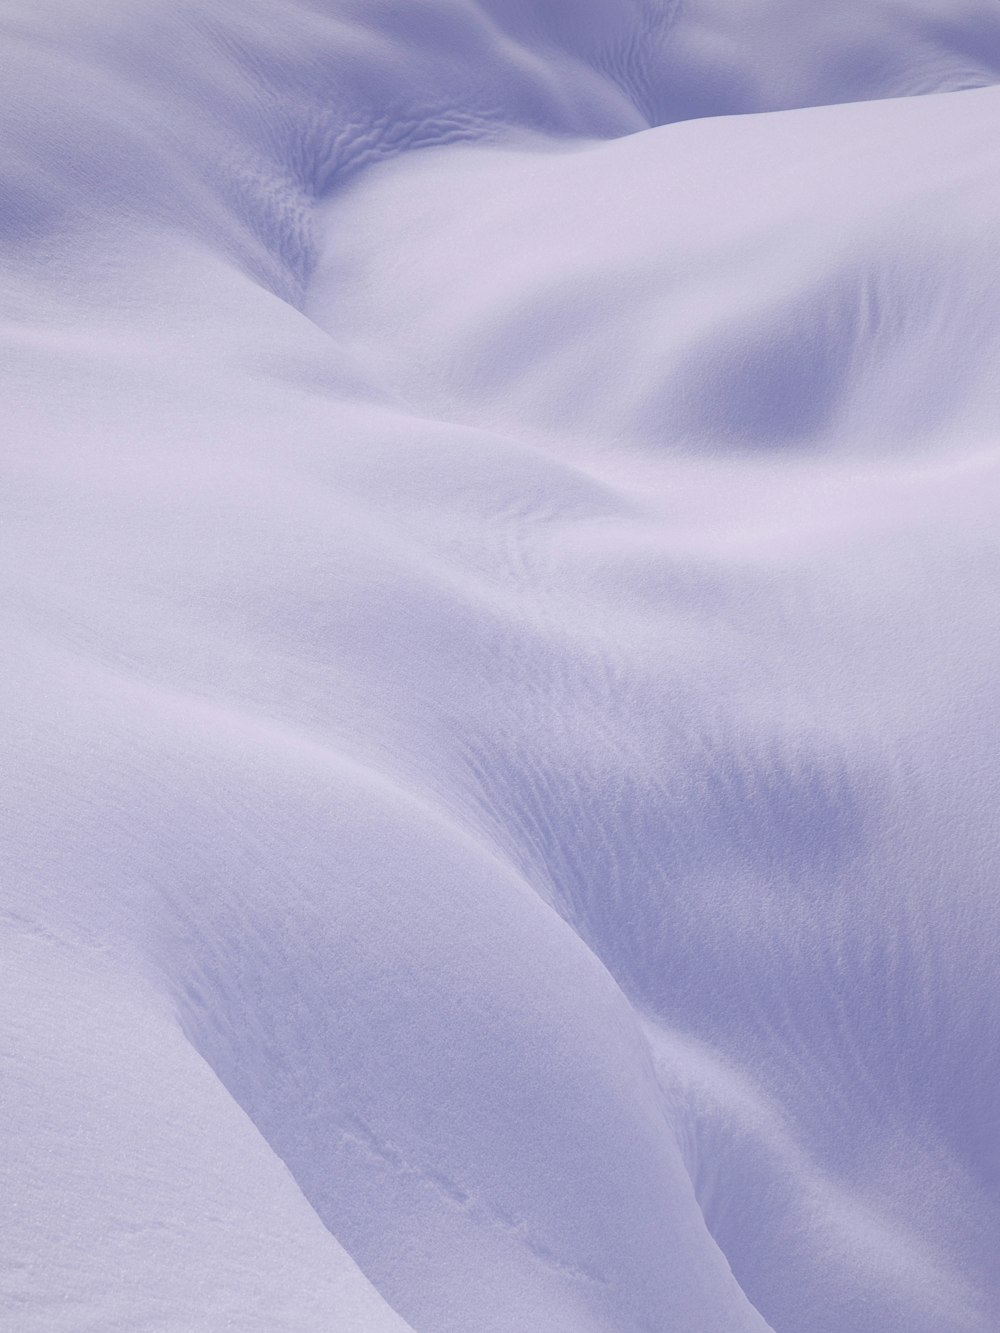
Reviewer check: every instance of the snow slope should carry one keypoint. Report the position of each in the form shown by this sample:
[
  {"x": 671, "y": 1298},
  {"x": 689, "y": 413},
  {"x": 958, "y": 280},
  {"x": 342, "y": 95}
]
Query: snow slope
[{"x": 500, "y": 640}]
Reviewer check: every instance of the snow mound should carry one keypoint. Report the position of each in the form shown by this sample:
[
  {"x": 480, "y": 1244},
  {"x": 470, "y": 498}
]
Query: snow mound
[
  {"x": 500, "y": 662},
  {"x": 825, "y": 279}
]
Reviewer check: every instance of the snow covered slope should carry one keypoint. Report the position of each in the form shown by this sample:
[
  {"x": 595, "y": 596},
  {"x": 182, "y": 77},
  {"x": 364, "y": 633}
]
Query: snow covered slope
[{"x": 499, "y": 666}]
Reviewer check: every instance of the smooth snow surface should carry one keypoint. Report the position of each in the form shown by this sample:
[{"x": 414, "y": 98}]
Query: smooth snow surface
[{"x": 499, "y": 559}]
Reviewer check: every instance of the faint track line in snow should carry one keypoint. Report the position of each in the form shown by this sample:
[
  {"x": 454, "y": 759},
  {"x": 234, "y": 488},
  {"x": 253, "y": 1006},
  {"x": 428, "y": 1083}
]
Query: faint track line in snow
[{"x": 355, "y": 1130}]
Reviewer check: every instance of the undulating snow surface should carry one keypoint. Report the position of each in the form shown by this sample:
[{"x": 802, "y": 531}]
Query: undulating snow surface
[{"x": 500, "y": 730}]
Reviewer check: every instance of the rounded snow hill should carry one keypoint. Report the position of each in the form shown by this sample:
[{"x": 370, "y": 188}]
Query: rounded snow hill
[
  {"x": 824, "y": 280},
  {"x": 499, "y": 659}
]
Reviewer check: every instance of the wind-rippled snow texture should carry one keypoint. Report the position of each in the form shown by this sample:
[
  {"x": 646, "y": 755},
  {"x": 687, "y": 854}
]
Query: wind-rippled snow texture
[{"x": 500, "y": 666}]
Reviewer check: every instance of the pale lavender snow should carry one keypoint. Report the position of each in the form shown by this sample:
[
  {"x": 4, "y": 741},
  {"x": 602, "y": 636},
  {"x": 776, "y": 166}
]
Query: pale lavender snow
[{"x": 500, "y": 555}]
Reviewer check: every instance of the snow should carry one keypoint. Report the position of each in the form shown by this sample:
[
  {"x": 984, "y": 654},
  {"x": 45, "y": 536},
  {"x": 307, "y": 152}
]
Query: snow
[{"x": 498, "y": 568}]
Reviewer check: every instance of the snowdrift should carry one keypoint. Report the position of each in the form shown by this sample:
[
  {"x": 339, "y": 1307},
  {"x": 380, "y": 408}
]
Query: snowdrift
[{"x": 498, "y": 564}]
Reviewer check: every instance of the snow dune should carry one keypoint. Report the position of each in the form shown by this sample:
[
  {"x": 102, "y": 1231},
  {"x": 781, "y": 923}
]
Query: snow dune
[{"x": 499, "y": 560}]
